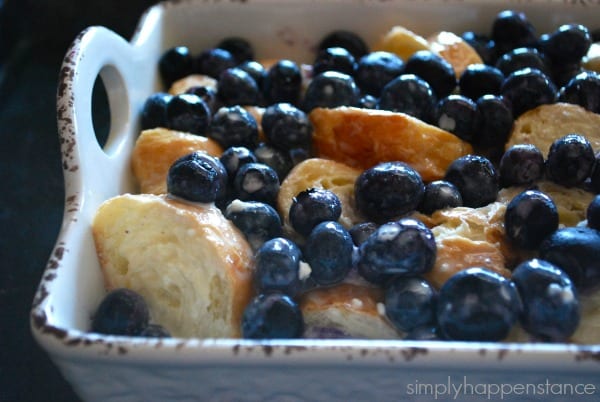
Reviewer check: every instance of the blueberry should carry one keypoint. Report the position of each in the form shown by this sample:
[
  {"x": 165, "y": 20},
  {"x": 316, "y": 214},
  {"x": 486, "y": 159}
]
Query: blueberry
[
  {"x": 213, "y": 62},
  {"x": 154, "y": 111},
  {"x": 286, "y": 126},
  {"x": 279, "y": 160},
  {"x": 476, "y": 179},
  {"x": 361, "y": 231},
  {"x": 197, "y": 177},
  {"x": 189, "y": 113},
  {"x": 375, "y": 70},
  {"x": 256, "y": 71},
  {"x": 207, "y": 94},
  {"x": 440, "y": 194},
  {"x": 483, "y": 45},
  {"x": 334, "y": 59},
  {"x": 240, "y": 48},
  {"x": 593, "y": 213},
  {"x": 256, "y": 182},
  {"x": 404, "y": 247},
  {"x": 570, "y": 160},
  {"x": 434, "y": 69},
  {"x": 155, "y": 331},
  {"x": 258, "y": 221},
  {"x": 234, "y": 157},
  {"x": 175, "y": 63},
  {"x": 313, "y": 206},
  {"x": 496, "y": 121},
  {"x": 410, "y": 303},
  {"x": 512, "y": 29},
  {"x": 424, "y": 333},
  {"x": 272, "y": 316},
  {"x": 477, "y": 304},
  {"x": 233, "y": 126},
  {"x": 458, "y": 115},
  {"x": 551, "y": 308},
  {"x": 583, "y": 90},
  {"x": 388, "y": 190},
  {"x": 595, "y": 176},
  {"x": 575, "y": 250},
  {"x": 520, "y": 58},
  {"x": 529, "y": 218},
  {"x": 283, "y": 83},
  {"x": 562, "y": 73},
  {"x": 331, "y": 89},
  {"x": 350, "y": 41},
  {"x": 368, "y": 102},
  {"x": 521, "y": 164},
  {"x": 528, "y": 88},
  {"x": 121, "y": 312},
  {"x": 567, "y": 44},
  {"x": 329, "y": 252},
  {"x": 278, "y": 267},
  {"x": 237, "y": 87},
  {"x": 480, "y": 79},
  {"x": 409, "y": 94}
]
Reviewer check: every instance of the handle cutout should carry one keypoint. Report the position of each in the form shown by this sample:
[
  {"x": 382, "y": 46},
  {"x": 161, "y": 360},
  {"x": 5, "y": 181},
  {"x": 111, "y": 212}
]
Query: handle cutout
[{"x": 101, "y": 117}]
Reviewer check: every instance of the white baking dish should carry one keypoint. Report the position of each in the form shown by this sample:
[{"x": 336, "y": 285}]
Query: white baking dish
[{"x": 103, "y": 368}]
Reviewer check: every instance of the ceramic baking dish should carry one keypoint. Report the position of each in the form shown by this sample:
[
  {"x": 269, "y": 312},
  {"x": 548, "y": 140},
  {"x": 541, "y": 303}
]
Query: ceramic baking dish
[{"x": 107, "y": 368}]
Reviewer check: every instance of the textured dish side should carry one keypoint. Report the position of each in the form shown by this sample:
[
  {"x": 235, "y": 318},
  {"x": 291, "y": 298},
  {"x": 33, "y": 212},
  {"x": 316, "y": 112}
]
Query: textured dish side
[{"x": 113, "y": 368}]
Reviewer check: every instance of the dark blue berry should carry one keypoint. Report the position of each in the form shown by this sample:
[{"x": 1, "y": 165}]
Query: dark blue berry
[
  {"x": 175, "y": 63},
  {"x": 256, "y": 182},
  {"x": 458, "y": 115},
  {"x": 368, "y": 102},
  {"x": 595, "y": 176},
  {"x": 197, "y": 177},
  {"x": 154, "y": 111},
  {"x": 121, "y": 312},
  {"x": 234, "y": 157},
  {"x": 567, "y": 44},
  {"x": 256, "y": 71},
  {"x": 528, "y": 88},
  {"x": 213, "y": 62},
  {"x": 410, "y": 303},
  {"x": 277, "y": 159},
  {"x": 258, "y": 221},
  {"x": 286, "y": 127},
  {"x": 476, "y": 179},
  {"x": 313, "y": 206},
  {"x": 347, "y": 40},
  {"x": 240, "y": 48},
  {"x": 496, "y": 121},
  {"x": 361, "y": 231},
  {"x": 551, "y": 309},
  {"x": 570, "y": 160},
  {"x": 207, "y": 94},
  {"x": 283, "y": 83},
  {"x": 562, "y": 73},
  {"x": 593, "y": 213},
  {"x": 334, "y": 59},
  {"x": 331, "y": 89},
  {"x": 477, "y": 304},
  {"x": 520, "y": 58},
  {"x": 329, "y": 252},
  {"x": 404, "y": 247},
  {"x": 409, "y": 94},
  {"x": 483, "y": 45},
  {"x": 237, "y": 87},
  {"x": 388, "y": 190},
  {"x": 233, "y": 126},
  {"x": 189, "y": 113},
  {"x": 521, "y": 164},
  {"x": 434, "y": 69},
  {"x": 278, "y": 266},
  {"x": 583, "y": 90},
  {"x": 438, "y": 195},
  {"x": 272, "y": 316},
  {"x": 375, "y": 70},
  {"x": 512, "y": 29},
  {"x": 529, "y": 218},
  {"x": 480, "y": 79},
  {"x": 155, "y": 331},
  {"x": 424, "y": 333}
]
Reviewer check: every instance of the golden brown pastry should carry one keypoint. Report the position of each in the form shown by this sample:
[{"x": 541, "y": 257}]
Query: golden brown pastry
[
  {"x": 455, "y": 50},
  {"x": 192, "y": 266},
  {"x": 402, "y": 42}
]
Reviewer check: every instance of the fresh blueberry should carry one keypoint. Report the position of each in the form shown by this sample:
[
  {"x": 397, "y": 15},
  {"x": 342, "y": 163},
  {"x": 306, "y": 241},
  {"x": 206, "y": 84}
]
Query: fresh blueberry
[
  {"x": 388, "y": 190},
  {"x": 458, "y": 115},
  {"x": 405, "y": 247},
  {"x": 520, "y": 58},
  {"x": 258, "y": 221},
  {"x": 347, "y": 40},
  {"x": 521, "y": 164},
  {"x": 256, "y": 182},
  {"x": 593, "y": 213},
  {"x": 495, "y": 122},
  {"x": 189, "y": 113},
  {"x": 528, "y": 88},
  {"x": 424, "y": 333},
  {"x": 551, "y": 309},
  {"x": 583, "y": 90},
  {"x": 286, "y": 127},
  {"x": 300, "y": 154},
  {"x": 272, "y": 316},
  {"x": 237, "y": 87},
  {"x": 434, "y": 69},
  {"x": 368, "y": 102},
  {"x": 213, "y": 62},
  {"x": 440, "y": 194},
  {"x": 575, "y": 250},
  {"x": 374, "y": 70},
  {"x": 256, "y": 71},
  {"x": 197, "y": 177},
  {"x": 476, "y": 179},
  {"x": 595, "y": 176},
  {"x": 361, "y": 231},
  {"x": 567, "y": 44},
  {"x": 233, "y": 126},
  {"x": 407, "y": 93},
  {"x": 512, "y": 29},
  {"x": 313, "y": 206},
  {"x": 207, "y": 94},
  {"x": 155, "y": 331},
  {"x": 329, "y": 252},
  {"x": 240, "y": 48},
  {"x": 175, "y": 63},
  {"x": 477, "y": 304},
  {"x": 331, "y": 89},
  {"x": 121, "y": 312},
  {"x": 480, "y": 79},
  {"x": 334, "y": 59},
  {"x": 234, "y": 157},
  {"x": 410, "y": 303},
  {"x": 529, "y": 218},
  {"x": 570, "y": 160},
  {"x": 154, "y": 111},
  {"x": 277, "y": 159},
  {"x": 278, "y": 267},
  {"x": 483, "y": 45},
  {"x": 283, "y": 83},
  {"x": 562, "y": 73}
]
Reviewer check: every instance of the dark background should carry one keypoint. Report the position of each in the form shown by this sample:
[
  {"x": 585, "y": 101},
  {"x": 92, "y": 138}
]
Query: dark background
[{"x": 34, "y": 37}]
